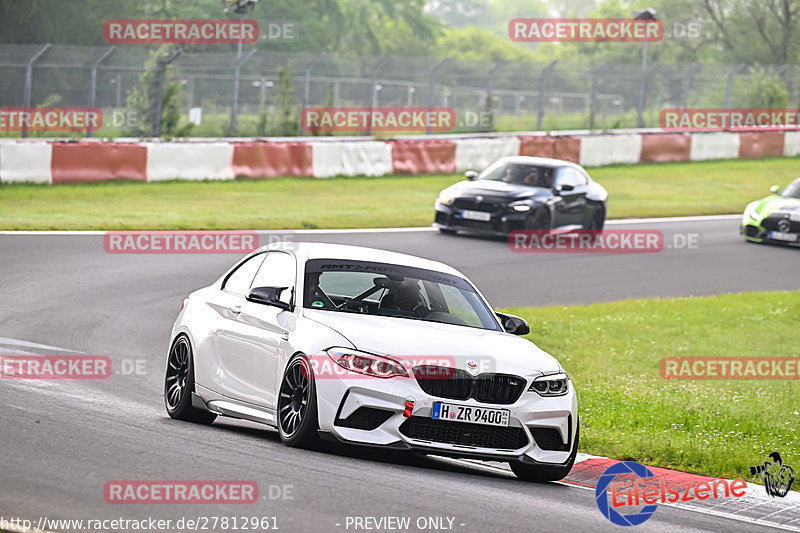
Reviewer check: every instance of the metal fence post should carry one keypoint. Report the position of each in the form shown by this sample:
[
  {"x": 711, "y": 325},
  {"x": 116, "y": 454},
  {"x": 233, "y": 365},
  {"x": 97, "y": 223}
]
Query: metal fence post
[
  {"x": 93, "y": 83},
  {"x": 235, "y": 105},
  {"x": 373, "y": 92},
  {"x": 432, "y": 89},
  {"x": 158, "y": 98},
  {"x": 542, "y": 79},
  {"x": 688, "y": 84},
  {"x": 729, "y": 88},
  {"x": 26, "y": 95},
  {"x": 642, "y": 92},
  {"x": 489, "y": 87},
  {"x": 593, "y": 95},
  {"x": 307, "y": 82}
]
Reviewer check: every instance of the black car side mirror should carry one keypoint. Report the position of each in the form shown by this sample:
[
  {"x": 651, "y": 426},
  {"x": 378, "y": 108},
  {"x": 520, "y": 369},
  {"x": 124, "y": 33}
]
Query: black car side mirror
[
  {"x": 471, "y": 175},
  {"x": 513, "y": 324},
  {"x": 268, "y": 296},
  {"x": 564, "y": 188}
]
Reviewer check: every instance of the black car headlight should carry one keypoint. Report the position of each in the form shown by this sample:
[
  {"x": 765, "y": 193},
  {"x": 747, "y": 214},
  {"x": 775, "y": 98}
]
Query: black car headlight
[{"x": 551, "y": 385}]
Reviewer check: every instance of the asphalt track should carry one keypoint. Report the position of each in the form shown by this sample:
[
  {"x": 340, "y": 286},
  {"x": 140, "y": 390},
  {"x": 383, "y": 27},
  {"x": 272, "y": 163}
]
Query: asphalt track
[{"x": 61, "y": 441}]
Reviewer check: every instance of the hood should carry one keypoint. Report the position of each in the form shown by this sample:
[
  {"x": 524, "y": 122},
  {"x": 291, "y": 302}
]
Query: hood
[
  {"x": 410, "y": 339},
  {"x": 776, "y": 204},
  {"x": 496, "y": 189}
]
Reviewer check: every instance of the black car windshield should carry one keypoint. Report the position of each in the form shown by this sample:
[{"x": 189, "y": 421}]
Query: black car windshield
[
  {"x": 792, "y": 191},
  {"x": 394, "y": 290},
  {"x": 520, "y": 174}
]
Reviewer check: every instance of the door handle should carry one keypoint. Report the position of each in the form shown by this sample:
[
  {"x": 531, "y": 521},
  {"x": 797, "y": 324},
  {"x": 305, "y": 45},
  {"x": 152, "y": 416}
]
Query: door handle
[{"x": 236, "y": 309}]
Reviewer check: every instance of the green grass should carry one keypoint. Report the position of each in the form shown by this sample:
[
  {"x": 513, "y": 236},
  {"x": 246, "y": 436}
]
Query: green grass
[
  {"x": 701, "y": 188},
  {"x": 628, "y": 412}
]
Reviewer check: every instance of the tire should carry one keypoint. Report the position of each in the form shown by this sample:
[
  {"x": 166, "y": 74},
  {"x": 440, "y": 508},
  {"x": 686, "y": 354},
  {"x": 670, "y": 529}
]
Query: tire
[
  {"x": 598, "y": 219},
  {"x": 539, "y": 220},
  {"x": 445, "y": 231},
  {"x": 540, "y": 474},
  {"x": 179, "y": 384},
  {"x": 298, "y": 421}
]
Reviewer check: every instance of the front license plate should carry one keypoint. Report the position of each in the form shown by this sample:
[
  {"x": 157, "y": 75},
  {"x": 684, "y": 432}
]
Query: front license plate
[
  {"x": 476, "y": 215},
  {"x": 470, "y": 414},
  {"x": 777, "y": 236}
]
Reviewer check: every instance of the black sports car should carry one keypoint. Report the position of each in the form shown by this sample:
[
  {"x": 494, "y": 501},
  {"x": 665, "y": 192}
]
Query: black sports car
[{"x": 522, "y": 193}]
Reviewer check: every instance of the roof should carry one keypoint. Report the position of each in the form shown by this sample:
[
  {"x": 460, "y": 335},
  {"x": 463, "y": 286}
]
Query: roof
[{"x": 316, "y": 250}]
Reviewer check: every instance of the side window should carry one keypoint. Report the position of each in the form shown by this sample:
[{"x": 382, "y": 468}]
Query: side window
[
  {"x": 238, "y": 282},
  {"x": 278, "y": 270},
  {"x": 570, "y": 176}
]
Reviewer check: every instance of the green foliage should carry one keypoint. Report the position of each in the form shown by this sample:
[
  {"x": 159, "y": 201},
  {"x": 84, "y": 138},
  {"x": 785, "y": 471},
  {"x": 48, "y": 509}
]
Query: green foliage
[{"x": 284, "y": 121}]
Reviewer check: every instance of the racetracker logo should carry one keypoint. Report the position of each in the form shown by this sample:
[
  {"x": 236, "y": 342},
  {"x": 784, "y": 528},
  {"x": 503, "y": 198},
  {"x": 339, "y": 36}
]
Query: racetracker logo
[
  {"x": 361, "y": 119},
  {"x": 633, "y": 492},
  {"x": 552, "y": 30},
  {"x": 341, "y": 364},
  {"x": 772, "y": 368},
  {"x": 743, "y": 119},
  {"x": 586, "y": 241},
  {"x": 55, "y": 367},
  {"x": 180, "y": 31},
  {"x": 180, "y": 492},
  {"x": 54, "y": 119},
  {"x": 180, "y": 242}
]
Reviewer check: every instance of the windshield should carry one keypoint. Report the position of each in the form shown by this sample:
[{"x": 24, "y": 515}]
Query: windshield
[
  {"x": 792, "y": 191},
  {"x": 394, "y": 290},
  {"x": 520, "y": 174}
]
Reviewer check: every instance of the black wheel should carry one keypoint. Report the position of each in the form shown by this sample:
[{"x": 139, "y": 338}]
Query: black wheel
[
  {"x": 445, "y": 231},
  {"x": 598, "y": 219},
  {"x": 179, "y": 384},
  {"x": 297, "y": 405},
  {"x": 539, "y": 220},
  {"x": 546, "y": 473}
]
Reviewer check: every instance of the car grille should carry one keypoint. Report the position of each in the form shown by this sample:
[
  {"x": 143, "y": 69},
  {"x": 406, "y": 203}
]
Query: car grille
[
  {"x": 471, "y": 204},
  {"x": 771, "y": 224},
  {"x": 464, "y": 434},
  {"x": 367, "y": 418},
  {"x": 456, "y": 384},
  {"x": 752, "y": 231}
]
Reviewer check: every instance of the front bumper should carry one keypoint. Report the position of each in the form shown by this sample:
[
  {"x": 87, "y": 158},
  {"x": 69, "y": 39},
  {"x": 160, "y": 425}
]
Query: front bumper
[
  {"x": 501, "y": 223},
  {"x": 755, "y": 231},
  {"x": 541, "y": 429}
]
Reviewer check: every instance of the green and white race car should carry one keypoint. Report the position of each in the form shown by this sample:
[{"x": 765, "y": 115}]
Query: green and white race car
[{"x": 775, "y": 218}]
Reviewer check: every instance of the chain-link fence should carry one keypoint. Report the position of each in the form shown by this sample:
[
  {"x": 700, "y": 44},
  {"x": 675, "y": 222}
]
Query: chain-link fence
[{"x": 235, "y": 93}]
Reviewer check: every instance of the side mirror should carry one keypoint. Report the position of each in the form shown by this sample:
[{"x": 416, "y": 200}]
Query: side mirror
[
  {"x": 513, "y": 324},
  {"x": 471, "y": 175},
  {"x": 268, "y": 296},
  {"x": 564, "y": 188},
  {"x": 775, "y": 189}
]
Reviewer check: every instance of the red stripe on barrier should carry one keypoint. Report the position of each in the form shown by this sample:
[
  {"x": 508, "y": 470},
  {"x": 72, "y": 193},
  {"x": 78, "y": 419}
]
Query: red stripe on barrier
[
  {"x": 272, "y": 160},
  {"x": 567, "y": 148},
  {"x": 587, "y": 473},
  {"x": 665, "y": 147},
  {"x": 537, "y": 146},
  {"x": 74, "y": 162},
  {"x": 424, "y": 157},
  {"x": 761, "y": 144}
]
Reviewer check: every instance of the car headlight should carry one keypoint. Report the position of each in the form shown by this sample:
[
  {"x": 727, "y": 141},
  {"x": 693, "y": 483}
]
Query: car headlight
[
  {"x": 752, "y": 212},
  {"x": 552, "y": 385},
  {"x": 444, "y": 199},
  {"x": 366, "y": 363},
  {"x": 520, "y": 206}
]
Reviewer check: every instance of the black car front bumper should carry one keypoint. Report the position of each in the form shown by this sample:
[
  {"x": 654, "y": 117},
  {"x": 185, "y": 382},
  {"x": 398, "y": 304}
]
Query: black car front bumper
[{"x": 502, "y": 220}]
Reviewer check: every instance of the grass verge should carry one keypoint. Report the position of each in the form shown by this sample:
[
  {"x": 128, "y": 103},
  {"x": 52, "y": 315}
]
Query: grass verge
[
  {"x": 628, "y": 412},
  {"x": 700, "y": 188}
]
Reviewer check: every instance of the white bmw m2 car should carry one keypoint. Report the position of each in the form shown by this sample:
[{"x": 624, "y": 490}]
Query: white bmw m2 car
[{"x": 370, "y": 347}]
